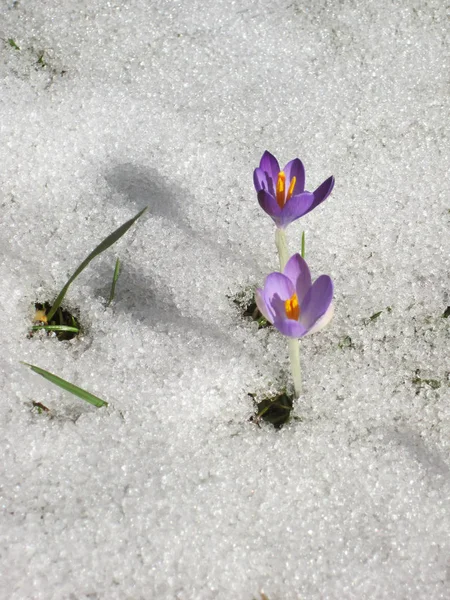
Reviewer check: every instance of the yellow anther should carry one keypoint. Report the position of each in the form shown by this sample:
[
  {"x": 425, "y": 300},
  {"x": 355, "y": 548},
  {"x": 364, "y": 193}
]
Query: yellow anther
[
  {"x": 291, "y": 188},
  {"x": 292, "y": 308},
  {"x": 281, "y": 188}
]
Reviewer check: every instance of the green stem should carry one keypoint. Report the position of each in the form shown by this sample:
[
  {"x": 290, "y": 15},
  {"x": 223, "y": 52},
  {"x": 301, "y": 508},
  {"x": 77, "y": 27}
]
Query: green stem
[
  {"x": 293, "y": 344},
  {"x": 283, "y": 252},
  {"x": 294, "y": 357}
]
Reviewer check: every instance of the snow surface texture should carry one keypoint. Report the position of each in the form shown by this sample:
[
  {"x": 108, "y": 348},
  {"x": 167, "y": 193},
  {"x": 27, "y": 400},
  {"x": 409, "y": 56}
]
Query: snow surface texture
[{"x": 171, "y": 492}]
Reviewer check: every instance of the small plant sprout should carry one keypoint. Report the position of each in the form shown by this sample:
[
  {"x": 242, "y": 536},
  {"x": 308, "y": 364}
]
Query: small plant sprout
[
  {"x": 64, "y": 325},
  {"x": 104, "y": 245},
  {"x": 40, "y": 61},
  {"x": 13, "y": 44},
  {"x": 289, "y": 300},
  {"x": 69, "y": 387}
]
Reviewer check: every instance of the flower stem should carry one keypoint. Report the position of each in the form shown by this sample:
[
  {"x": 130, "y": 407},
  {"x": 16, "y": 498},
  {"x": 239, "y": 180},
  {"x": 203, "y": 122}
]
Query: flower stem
[
  {"x": 294, "y": 357},
  {"x": 294, "y": 347},
  {"x": 283, "y": 252}
]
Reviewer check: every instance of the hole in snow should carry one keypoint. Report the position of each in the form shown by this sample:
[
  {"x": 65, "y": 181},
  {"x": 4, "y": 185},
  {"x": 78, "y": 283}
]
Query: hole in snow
[{"x": 64, "y": 325}]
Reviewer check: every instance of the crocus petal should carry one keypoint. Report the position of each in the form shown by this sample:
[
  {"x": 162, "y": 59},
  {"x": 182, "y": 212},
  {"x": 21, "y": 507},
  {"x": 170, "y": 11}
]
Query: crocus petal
[
  {"x": 290, "y": 327},
  {"x": 278, "y": 307},
  {"x": 323, "y": 321},
  {"x": 277, "y": 284},
  {"x": 269, "y": 204},
  {"x": 298, "y": 272},
  {"x": 322, "y": 193},
  {"x": 295, "y": 208},
  {"x": 295, "y": 168},
  {"x": 260, "y": 180},
  {"x": 270, "y": 165},
  {"x": 265, "y": 310},
  {"x": 316, "y": 302}
]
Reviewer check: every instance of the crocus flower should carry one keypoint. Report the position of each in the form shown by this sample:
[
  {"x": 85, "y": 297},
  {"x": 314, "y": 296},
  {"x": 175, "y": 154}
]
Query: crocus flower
[
  {"x": 281, "y": 193},
  {"x": 295, "y": 305}
]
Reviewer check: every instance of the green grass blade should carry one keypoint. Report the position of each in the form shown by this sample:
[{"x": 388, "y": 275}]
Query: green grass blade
[
  {"x": 303, "y": 245},
  {"x": 56, "y": 328},
  {"x": 69, "y": 387},
  {"x": 114, "y": 281},
  {"x": 107, "y": 242}
]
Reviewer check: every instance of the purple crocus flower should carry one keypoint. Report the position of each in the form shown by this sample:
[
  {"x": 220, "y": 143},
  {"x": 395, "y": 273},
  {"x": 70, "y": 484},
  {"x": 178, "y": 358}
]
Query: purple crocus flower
[
  {"x": 281, "y": 193},
  {"x": 295, "y": 305}
]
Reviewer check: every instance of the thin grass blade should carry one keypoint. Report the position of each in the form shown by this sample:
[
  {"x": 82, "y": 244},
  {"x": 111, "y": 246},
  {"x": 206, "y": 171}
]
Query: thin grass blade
[
  {"x": 114, "y": 281},
  {"x": 303, "y": 244},
  {"x": 69, "y": 387},
  {"x": 107, "y": 242},
  {"x": 56, "y": 328}
]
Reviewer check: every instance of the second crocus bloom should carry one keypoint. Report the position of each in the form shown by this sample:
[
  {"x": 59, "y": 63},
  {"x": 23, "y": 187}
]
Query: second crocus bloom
[
  {"x": 295, "y": 305},
  {"x": 281, "y": 193}
]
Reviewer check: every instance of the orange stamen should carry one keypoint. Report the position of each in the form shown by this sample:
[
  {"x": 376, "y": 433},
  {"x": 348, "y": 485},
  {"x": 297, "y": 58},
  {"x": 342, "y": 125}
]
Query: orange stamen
[
  {"x": 281, "y": 188},
  {"x": 291, "y": 188},
  {"x": 292, "y": 308}
]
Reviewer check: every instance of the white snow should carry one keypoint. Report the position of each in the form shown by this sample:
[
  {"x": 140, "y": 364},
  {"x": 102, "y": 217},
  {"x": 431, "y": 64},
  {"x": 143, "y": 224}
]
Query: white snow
[{"x": 170, "y": 492}]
